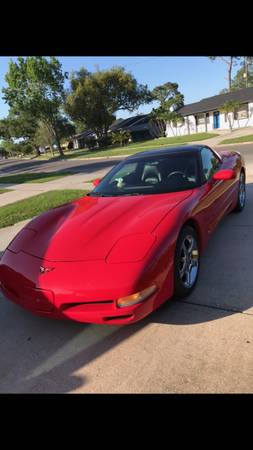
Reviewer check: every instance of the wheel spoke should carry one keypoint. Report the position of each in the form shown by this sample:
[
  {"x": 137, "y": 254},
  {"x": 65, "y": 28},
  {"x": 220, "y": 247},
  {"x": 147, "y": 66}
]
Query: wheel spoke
[
  {"x": 191, "y": 241},
  {"x": 189, "y": 261}
]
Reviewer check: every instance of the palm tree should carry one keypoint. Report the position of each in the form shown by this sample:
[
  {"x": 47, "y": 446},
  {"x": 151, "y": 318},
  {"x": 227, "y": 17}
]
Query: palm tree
[
  {"x": 157, "y": 121},
  {"x": 230, "y": 107},
  {"x": 120, "y": 137}
]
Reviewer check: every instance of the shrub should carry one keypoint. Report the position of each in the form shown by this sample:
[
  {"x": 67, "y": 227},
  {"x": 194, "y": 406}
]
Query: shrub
[
  {"x": 91, "y": 143},
  {"x": 26, "y": 149},
  {"x": 17, "y": 148},
  {"x": 121, "y": 137},
  {"x": 105, "y": 141}
]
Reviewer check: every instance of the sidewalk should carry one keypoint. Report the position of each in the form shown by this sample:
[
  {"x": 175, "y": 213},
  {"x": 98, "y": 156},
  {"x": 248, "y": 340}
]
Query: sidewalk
[{"x": 226, "y": 134}]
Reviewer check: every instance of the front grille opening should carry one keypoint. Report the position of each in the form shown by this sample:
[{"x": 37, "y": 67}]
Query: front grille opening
[
  {"x": 66, "y": 306},
  {"x": 127, "y": 316}
]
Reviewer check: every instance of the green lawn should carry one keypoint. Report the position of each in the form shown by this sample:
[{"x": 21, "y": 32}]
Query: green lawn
[
  {"x": 139, "y": 146},
  {"x": 33, "y": 206},
  {"x": 42, "y": 177},
  {"x": 2, "y": 191},
  {"x": 237, "y": 140}
]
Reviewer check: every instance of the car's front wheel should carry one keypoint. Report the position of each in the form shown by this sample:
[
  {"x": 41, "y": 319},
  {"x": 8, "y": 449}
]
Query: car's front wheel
[
  {"x": 186, "y": 262},
  {"x": 241, "y": 199}
]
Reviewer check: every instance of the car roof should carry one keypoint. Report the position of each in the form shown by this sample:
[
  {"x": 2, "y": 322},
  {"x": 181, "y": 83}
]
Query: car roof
[{"x": 168, "y": 151}]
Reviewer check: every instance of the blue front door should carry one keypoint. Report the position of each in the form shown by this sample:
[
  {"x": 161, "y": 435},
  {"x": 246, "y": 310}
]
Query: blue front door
[{"x": 216, "y": 119}]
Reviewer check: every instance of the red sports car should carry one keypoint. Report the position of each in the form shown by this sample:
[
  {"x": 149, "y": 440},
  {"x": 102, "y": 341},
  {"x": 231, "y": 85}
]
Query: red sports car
[{"x": 118, "y": 253}]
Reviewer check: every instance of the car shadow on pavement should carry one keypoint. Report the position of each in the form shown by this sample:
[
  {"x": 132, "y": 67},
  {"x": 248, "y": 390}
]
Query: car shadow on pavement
[{"x": 42, "y": 355}]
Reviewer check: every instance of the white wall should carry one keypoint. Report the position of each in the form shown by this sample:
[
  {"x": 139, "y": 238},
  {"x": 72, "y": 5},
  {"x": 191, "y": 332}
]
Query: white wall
[
  {"x": 75, "y": 144},
  {"x": 190, "y": 127}
]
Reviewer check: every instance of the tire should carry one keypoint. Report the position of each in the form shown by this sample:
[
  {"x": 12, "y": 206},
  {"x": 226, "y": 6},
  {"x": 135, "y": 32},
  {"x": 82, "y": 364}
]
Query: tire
[
  {"x": 241, "y": 198},
  {"x": 186, "y": 263}
]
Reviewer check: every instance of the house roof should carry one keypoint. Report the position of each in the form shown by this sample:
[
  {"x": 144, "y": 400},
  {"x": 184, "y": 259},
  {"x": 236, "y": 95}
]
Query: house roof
[
  {"x": 116, "y": 123},
  {"x": 83, "y": 135},
  {"x": 215, "y": 102},
  {"x": 127, "y": 124}
]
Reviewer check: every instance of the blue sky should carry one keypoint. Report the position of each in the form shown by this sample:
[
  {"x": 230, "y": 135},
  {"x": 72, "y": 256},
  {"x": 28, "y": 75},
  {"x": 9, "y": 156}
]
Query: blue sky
[{"x": 197, "y": 77}]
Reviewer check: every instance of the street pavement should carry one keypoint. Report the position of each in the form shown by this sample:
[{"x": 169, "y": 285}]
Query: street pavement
[
  {"x": 83, "y": 171},
  {"x": 202, "y": 344}
]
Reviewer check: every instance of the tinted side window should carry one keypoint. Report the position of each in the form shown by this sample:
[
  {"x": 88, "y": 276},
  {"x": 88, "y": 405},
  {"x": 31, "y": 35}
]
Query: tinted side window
[{"x": 209, "y": 162}]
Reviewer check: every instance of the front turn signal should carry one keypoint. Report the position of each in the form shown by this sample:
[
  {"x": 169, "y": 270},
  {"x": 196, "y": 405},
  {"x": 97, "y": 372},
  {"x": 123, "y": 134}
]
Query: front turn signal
[{"x": 137, "y": 297}]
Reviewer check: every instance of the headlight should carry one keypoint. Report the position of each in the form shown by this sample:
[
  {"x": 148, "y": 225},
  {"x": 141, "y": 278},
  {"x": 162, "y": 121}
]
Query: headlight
[{"x": 137, "y": 297}]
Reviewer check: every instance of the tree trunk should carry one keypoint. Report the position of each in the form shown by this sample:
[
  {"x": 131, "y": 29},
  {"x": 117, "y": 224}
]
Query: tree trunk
[
  {"x": 230, "y": 65},
  {"x": 230, "y": 123},
  {"x": 161, "y": 127},
  {"x": 37, "y": 150},
  {"x": 58, "y": 145}
]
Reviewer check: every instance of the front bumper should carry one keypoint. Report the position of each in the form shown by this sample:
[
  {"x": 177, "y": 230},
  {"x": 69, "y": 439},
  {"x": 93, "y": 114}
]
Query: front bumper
[{"x": 79, "y": 291}]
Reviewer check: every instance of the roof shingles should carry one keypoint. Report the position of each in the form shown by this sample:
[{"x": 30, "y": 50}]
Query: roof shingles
[{"x": 215, "y": 102}]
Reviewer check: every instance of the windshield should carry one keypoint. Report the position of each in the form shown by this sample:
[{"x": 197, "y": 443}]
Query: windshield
[{"x": 151, "y": 175}]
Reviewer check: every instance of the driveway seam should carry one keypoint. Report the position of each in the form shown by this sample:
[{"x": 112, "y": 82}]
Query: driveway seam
[{"x": 213, "y": 307}]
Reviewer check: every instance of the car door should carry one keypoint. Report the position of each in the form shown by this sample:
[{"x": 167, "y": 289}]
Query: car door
[{"x": 212, "y": 201}]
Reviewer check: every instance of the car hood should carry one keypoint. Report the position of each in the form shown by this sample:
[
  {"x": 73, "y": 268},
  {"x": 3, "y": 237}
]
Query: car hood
[{"x": 86, "y": 229}]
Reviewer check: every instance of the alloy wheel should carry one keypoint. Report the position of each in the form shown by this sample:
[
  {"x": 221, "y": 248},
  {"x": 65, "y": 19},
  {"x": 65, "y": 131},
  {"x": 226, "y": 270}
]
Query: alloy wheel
[{"x": 189, "y": 261}]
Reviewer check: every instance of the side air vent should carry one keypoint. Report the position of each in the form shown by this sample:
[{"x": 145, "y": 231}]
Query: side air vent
[
  {"x": 66, "y": 306},
  {"x": 110, "y": 319}
]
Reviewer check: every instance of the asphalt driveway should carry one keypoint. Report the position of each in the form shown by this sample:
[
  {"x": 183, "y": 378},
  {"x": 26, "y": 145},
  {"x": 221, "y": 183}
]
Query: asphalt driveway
[{"x": 201, "y": 344}]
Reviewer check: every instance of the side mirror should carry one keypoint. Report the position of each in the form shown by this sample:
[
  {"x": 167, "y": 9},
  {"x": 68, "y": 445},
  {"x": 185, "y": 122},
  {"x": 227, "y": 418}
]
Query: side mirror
[
  {"x": 226, "y": 174},
  {"x": 96, "y": 182}
]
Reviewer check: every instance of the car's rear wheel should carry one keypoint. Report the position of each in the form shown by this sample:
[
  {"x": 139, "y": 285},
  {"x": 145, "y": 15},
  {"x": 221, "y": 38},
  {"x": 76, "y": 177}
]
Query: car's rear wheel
[
  {"x": 241, "y": 199},
  {"x": 186, "y": 263}
]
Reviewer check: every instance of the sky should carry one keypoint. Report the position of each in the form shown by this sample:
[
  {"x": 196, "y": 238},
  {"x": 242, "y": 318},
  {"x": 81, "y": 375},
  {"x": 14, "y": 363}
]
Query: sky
[{"x": 197, "y": 77}]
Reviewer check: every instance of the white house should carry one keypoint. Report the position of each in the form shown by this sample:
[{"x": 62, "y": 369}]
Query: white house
[{"x": 205, "y": 115}]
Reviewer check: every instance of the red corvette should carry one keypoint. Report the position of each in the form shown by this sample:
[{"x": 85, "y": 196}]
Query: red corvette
[{"x": 118, "y": 253}]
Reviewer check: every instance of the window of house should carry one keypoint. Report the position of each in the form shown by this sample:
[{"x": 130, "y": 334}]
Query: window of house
[
  {"x": 200, "y": 119},
  {"x": 242, "y": 112}
]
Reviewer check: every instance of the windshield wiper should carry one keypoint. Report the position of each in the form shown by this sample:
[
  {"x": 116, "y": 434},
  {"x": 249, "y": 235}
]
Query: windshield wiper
[
  {"x": 98, "y": 194},
  {"x": 131, "y": 193}
]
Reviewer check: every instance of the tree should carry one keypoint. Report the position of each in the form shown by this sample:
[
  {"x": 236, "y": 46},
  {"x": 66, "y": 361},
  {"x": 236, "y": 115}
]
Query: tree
[
  {"x": 170, "y": 100},
  {"x": 18, "y": 131},
  {"x": 94, "y": 98},
  {"x": 230, "y": 61},
  {"x": 17, "y": 148},
  {"x": 230, "y": 107},
  {"x": 35, "y": 86},
  {"x": 4, "y": 129},
  {"x": 44, "y": 136},
  {"x": 244, "y": 75}
]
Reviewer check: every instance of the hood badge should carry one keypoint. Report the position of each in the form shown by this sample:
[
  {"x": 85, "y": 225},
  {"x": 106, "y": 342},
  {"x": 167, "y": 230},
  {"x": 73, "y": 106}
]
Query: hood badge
[{"x": 46, "y": 269}]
